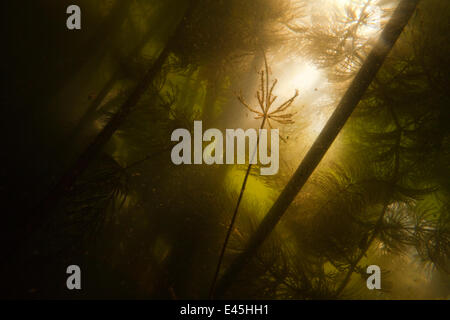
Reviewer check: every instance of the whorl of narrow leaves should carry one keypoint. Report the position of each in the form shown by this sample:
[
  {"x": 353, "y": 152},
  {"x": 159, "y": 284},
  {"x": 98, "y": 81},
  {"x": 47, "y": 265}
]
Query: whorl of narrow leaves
[{"x": 265, "y": 102}]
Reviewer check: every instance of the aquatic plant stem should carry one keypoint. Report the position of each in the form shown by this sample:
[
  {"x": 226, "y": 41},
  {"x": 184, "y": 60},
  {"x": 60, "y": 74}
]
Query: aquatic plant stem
[{"x": 244, "y": 184}]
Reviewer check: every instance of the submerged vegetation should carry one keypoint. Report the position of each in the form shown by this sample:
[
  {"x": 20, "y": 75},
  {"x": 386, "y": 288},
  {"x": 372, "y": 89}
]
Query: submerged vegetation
[{"x": 88, "y": 177}]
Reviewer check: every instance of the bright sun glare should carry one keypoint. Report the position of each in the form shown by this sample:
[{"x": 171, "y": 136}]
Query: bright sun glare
[
  {"x": 297, "y": 74},
  {"x": 372, "y": 9},
  {"x": 344, "y": 3}
]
